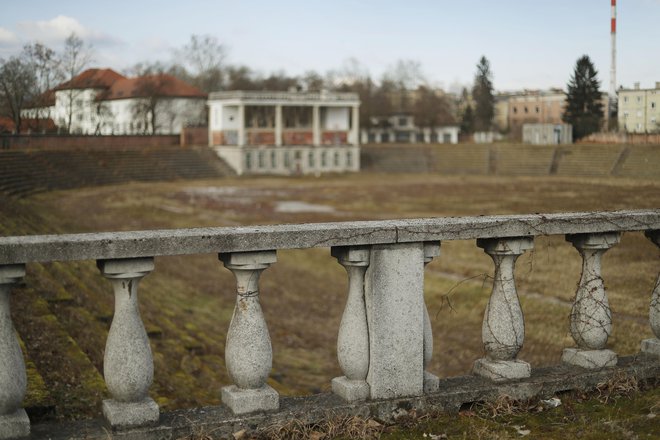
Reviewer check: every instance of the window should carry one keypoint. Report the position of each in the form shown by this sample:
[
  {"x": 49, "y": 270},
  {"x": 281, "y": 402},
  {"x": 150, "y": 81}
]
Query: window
[
  {"x": 262, "y": 159},
  {"x": 349, "y": 159},
  {"x": 625, "y": 99},
  {"x": 639, "y": 99},
  {"x": 310, "y": 159},
  {"x": 526, "y": 110},
  {"x": 402, "y": 122},
  {"x": 273, "y": 159},
  {"x": 324, "y": 159},
  {"x": 515, "y": 110},
  {"x": 537, "y": 109},
  {"x": 287, "y": 160},
  {"x": 336, "y": 158},
  {"x": 248, "y": 161},
  {"x": 653, "y": 105}
]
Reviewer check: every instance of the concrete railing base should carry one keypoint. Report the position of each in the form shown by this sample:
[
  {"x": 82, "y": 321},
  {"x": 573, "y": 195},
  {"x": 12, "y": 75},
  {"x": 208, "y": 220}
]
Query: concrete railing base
[{"x": 220, "y": 422}]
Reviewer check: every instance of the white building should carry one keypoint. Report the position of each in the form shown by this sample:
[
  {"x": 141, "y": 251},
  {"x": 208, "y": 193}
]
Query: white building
[
  {"x": 103, "y": 102},
  {"x": 401, "y": 128},
  {"x": 285, "y": 132}
]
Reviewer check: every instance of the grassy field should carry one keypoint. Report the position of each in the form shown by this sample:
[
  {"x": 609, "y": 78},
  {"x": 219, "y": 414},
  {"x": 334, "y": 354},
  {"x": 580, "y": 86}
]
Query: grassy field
[{"x": 187, "y": 302}]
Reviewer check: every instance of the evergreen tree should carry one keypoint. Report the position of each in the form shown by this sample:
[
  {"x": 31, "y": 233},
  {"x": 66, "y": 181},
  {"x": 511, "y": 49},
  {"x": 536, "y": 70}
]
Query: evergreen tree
[
  {"x": 584, "y": 107},
  {"x": 482, "y": 93},
  {"x": 467, "y": 122}
]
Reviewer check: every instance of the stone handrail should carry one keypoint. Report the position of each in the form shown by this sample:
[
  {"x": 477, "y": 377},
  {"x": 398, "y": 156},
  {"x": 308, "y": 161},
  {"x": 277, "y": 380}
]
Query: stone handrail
[{"x": 384, "y": 339}]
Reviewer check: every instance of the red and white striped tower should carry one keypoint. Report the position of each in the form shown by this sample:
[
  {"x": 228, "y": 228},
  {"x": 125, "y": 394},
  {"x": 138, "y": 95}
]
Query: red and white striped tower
[{"x": 612, "y": 99}]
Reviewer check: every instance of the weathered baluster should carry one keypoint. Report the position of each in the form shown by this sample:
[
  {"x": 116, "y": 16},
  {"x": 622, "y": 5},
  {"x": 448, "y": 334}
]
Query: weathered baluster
[
  {"x": 14, "y": 421},
  {"x": 503, "y": 329},
  {"x": 128, "y": 365},
  {"x": 248, "y": 352},
  {"x": 353, "y": 337},
  {"x": 431, "y": 381},
  {"x": 591, "y": 318},
  {"x": 652, "y": 346}
]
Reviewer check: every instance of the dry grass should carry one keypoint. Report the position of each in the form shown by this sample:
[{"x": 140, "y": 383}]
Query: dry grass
[{"x": 187, "y": 302}]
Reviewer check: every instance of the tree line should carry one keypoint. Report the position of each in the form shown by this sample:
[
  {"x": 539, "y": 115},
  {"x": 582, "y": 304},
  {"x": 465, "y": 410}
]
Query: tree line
[{"x": 26, "y": 78}]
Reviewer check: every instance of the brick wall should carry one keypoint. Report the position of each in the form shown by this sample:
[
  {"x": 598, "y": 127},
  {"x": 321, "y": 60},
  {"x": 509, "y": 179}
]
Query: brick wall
[{"x": 59, "y": 142}]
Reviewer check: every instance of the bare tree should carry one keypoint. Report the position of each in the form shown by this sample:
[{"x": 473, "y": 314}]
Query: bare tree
[
  {"x": 75, "y": 58},
  {"x": 407, "y": 75},
  {"x": 152, "y": 107},
  {"x": 204, "y": 58},
  {"x": 46, "y": 66},
  {"x": 17, "y": 85}
]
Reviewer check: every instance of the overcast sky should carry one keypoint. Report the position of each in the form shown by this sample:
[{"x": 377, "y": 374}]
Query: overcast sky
[{"x": 530, "y": 43}]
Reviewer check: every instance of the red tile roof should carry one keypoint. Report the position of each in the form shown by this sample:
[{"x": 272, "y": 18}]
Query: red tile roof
[
  {"x": 92, "y": 79},
  {"x": 151, "y": 85}
]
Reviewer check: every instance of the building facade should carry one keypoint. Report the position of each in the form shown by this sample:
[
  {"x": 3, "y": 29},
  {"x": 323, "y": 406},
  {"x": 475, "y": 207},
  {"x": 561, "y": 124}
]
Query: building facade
[
  {"x": 400, "y": 128},
  {"x": 638, "y": 109},
  {"x": 260, "y": 132},
  {"x": 547, "y": 134},
  {"x": 103, "y": 102}
]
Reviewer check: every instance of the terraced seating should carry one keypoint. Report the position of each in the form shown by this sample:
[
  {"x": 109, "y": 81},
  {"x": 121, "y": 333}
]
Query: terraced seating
[
  {"x": 588, "y": 160},
  {"x": 413, "y": 159},
  {"x": 23, "y": 173},
  {"x": 462, "y": 159},
  {"x": 642, "y": 161},
  {"x": 523, "y": 160}
]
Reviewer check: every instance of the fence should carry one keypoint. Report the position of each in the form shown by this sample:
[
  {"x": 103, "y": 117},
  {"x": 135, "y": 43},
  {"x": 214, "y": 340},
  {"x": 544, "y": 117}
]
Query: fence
[{"x": 384, "y": 339}]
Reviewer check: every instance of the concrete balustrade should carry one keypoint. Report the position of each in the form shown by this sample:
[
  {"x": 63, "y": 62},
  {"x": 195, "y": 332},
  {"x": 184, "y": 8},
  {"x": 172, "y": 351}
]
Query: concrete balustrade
[
  {"x": 652, "y": 346},
  {"x": 128, "y": 365},
  {"x": 385, "y": 338},
  {"x": 591, "y": 318},
  {"x": 14, "y": 421},
  {"x": 503, "y": 329}
]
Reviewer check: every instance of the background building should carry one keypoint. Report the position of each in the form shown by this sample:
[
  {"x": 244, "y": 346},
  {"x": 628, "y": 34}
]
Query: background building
[
  {"x": 638, "y": 109},
  {"x": 285, "y": 132},
  {"x": 400, "y": 128},
  {"x": 104, "y": 102},
  {"x": 547, "y": 134}
]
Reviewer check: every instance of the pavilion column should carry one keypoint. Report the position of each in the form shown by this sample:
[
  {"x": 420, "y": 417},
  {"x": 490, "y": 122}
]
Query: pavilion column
[
  {"x": 128, "y": 365},
  {"x": 278, "y": 125},
  {"x": 591, "y": 318},
  {"x": 14, "y": 421},
  {"x": 241, "y": 124},
  {"x": 503, "y": 329},
  {"x": 316, "y": 126},
  {"x": 652, "y": 346},
  {"x": 355, "y": 126}
]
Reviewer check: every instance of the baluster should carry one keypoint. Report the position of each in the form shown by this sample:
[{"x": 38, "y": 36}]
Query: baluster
[
  {"x": 591, "y": 318},
  {"x": 353, "y": 337},
  {"x": 248, "y": 352},
  {"x": 652, "y": 346},
  {"x": 431, "y": 381},
  {"x": 14, "y": 421},
  {"x": 503, "y": 329},
  {"x": 128, "y": 365}
]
